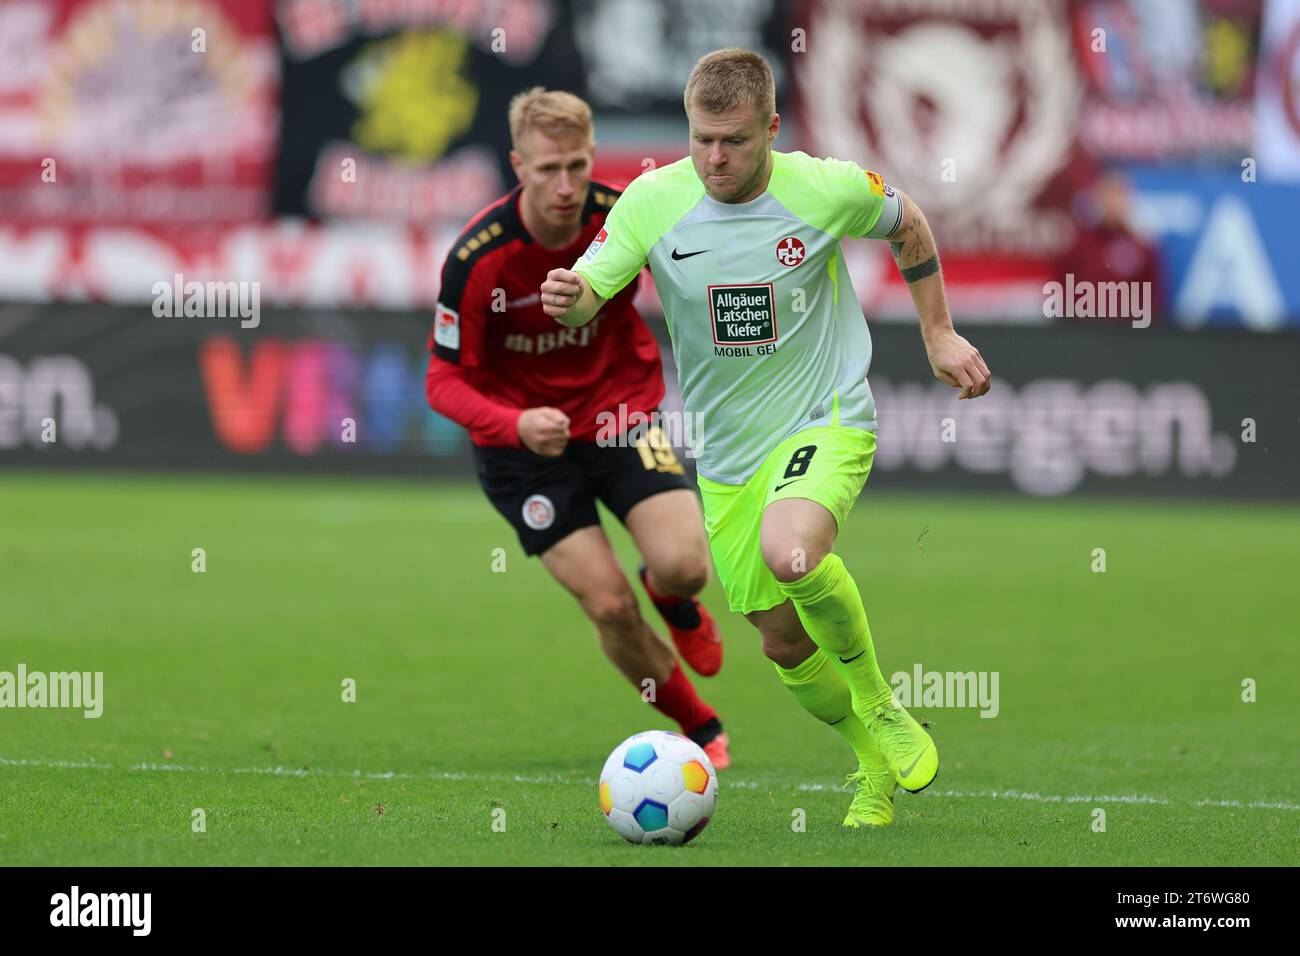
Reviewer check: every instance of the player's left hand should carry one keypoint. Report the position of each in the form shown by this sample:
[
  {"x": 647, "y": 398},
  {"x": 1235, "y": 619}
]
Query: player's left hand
[{"x": 960, "y": 364}]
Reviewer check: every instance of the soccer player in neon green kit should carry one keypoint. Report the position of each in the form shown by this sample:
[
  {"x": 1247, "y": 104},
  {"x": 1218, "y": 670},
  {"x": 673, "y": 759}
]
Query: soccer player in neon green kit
[{"x": 772, "y": 348}]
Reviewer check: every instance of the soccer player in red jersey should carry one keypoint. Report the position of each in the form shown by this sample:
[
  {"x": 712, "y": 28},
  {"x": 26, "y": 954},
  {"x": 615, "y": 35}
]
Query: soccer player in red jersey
[{"x": 536, "y": 398}]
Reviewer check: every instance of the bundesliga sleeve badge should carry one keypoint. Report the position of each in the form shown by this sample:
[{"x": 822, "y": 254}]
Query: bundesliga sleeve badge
[
  {"x": 446, "y": 327},
  {"x": 596, "y": 244}
]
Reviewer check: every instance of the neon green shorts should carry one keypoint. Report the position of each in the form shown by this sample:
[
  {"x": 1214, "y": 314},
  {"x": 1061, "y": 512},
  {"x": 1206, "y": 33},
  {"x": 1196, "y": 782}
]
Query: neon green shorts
[{"x": 828, "y": 464}]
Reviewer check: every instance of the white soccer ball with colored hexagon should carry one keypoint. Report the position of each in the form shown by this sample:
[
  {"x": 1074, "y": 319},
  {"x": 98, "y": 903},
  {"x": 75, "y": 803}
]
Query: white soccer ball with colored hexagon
[{"x": 658, "y": 787}]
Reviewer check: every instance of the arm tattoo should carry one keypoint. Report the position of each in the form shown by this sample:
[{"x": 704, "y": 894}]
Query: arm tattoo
[
  {"x": 916, "y": 273},
  {"x": 911, "y": 245}
]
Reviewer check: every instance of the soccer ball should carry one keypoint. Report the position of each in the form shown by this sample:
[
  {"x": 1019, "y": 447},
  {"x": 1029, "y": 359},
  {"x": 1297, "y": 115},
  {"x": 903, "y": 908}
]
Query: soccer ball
[{"x": 658, "y": 787}]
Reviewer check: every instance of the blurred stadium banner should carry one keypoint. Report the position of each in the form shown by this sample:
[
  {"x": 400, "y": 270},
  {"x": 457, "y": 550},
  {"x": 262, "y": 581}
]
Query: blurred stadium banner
[
  {"x": 1278, "y": 100},
  {"x": 1072, "y": 409},
  {"x": 1231, "y": 250},
  {"x": 328, "y": 153},
  {"x": 984, "y": 144},
  {"x": 414, "y": 96},
  {"x": 331, "y": 151},
  {"x": 150, "y": 114},
  {"x": 396, "y": 111}
]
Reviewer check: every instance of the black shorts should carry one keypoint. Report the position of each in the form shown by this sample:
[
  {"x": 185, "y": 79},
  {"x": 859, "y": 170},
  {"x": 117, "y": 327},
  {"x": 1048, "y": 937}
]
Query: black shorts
[{"x": 547, "y": 499}]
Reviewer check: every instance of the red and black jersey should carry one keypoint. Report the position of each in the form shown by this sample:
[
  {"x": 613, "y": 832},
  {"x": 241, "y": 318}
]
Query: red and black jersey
[{"x": 496, "y": 353}]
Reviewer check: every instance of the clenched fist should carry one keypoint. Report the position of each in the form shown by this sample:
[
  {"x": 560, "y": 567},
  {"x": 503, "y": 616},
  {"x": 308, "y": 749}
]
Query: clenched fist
[
  {"x": 544, "y": 430},
  {"x": 560, "y": 291}
]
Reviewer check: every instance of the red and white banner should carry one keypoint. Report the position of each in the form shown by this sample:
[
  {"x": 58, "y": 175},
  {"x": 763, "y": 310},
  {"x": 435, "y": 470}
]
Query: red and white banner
[
  {"x": 986, "y": 144},
  {"x": 396, "y": 266},
  {"x": 136, "y": 111},
  {"x": 970, "y": 108},
  {"x": 380, "y": 265}
]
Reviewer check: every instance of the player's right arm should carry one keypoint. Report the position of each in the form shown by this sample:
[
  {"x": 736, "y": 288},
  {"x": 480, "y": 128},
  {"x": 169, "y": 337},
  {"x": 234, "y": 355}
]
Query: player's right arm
[{"x": 615, "y": 257}]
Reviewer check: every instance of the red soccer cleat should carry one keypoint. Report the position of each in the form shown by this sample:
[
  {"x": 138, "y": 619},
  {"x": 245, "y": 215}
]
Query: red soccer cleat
[
  {"x": 700, "y": 646},
  {"x": 717, "y": 752}
]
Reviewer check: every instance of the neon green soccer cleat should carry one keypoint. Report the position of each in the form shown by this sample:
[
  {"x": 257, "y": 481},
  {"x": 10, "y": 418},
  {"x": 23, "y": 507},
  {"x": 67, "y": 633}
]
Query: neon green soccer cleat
[
  {"x": 873, "y": 804},
  {"x": 911, "y": 752}
]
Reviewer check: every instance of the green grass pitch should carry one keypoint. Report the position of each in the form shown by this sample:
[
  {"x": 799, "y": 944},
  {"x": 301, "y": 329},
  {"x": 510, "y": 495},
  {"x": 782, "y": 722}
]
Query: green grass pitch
[{"x": 479, "y": 690}]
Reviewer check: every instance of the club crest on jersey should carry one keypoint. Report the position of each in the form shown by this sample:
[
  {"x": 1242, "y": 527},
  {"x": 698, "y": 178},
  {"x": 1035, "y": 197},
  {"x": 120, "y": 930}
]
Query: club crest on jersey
[
  {"x": 743, "y": 315},
  {"x": 790, "y": 251},
  {"x": 596, "y": 244},
  {"x": 877, "y": 183},
  {"x": 539, "y": 513},
  {"x": 446, "y": 327}
]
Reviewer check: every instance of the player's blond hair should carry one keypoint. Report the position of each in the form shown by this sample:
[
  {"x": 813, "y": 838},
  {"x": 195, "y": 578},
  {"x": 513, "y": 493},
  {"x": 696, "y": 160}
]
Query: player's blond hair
[
  {"x": 553, "y": 112},
  {"x": 725, "y": 79}
]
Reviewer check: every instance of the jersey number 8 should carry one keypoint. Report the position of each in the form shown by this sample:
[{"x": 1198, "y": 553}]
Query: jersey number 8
[{"x": 799, "y": 461}]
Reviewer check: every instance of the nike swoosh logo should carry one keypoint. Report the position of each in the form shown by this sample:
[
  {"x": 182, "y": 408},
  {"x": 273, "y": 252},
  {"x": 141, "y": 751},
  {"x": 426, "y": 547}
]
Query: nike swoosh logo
[
  {"x": 779, "y": 487},
  {"x": 687, "y": 255},
  {"x": 905, "y": 773},
  {"x": 854, "y": 657},
  {"x": 842, "y": 719}
]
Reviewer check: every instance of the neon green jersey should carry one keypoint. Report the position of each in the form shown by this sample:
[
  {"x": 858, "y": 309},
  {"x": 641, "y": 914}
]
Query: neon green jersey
[{"x": 767, "y": 332}]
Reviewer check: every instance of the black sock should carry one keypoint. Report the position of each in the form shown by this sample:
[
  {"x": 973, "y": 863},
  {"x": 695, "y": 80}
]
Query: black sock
[
  {"x": 681, "y": 613},
  {"x": 706, "y": 731}
]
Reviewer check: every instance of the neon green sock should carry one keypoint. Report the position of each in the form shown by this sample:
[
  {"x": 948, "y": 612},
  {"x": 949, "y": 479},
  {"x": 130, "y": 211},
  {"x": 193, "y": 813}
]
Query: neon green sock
[
  {"x": 822, "y": 692},
  {"x": 830, "y": 607}
]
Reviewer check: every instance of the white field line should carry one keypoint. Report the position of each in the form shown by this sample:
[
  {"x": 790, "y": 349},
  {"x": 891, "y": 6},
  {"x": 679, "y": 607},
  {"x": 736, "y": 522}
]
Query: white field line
[{"x": 1130, "y": 798}]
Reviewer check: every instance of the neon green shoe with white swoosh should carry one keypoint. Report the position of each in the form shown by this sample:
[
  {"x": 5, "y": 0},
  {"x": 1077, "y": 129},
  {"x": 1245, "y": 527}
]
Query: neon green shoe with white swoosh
[{"x": 911, "y": 752}]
